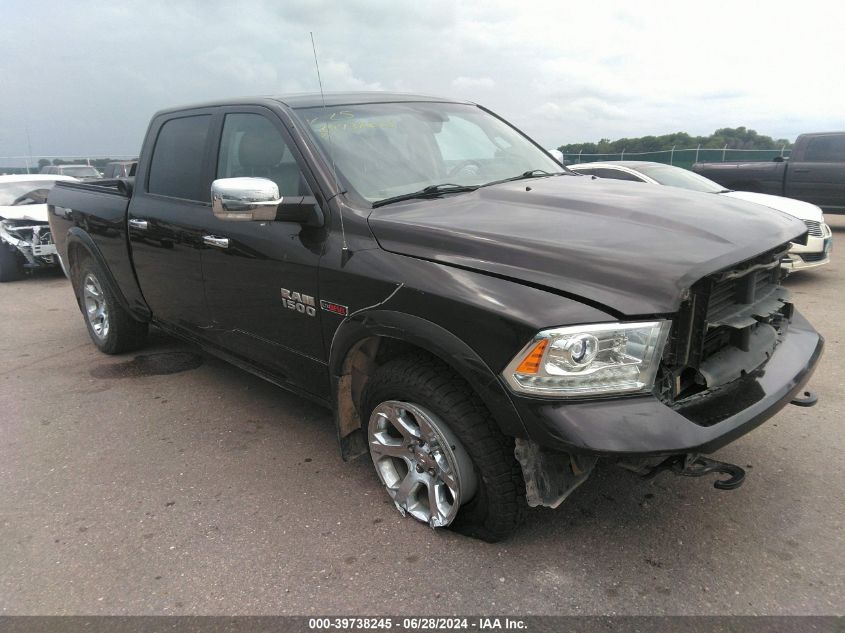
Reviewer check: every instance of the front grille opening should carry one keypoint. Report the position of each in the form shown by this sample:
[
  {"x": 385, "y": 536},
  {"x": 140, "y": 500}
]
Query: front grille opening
[
  {"x": 813, "y": 257},
  {"x": 814, "y": 228},
  {"x": 690, "y": 382},
  {"x": 728, "y": 328}
]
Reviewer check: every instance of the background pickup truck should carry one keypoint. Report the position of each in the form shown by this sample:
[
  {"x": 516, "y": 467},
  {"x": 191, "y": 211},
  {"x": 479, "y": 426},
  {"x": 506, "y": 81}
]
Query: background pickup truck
[
  {"x": 815, "y": 172},
  {"x": 484, "y": 323}
]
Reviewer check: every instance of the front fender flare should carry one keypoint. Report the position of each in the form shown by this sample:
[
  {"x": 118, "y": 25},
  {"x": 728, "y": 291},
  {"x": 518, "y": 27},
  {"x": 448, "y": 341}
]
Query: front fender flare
[{"x": 437, "y": 341}]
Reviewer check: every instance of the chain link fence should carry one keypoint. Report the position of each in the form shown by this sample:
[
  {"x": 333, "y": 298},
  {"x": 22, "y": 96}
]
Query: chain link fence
[
  {"x": 679, "y": 157},
  {"x": 682, "y": 157}
]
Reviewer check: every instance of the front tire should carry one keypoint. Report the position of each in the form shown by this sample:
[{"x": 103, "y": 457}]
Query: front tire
[
  {"x": 109, "y": 324},
  {"x": 461, "y": 464},
  {"x": 11, "y": 266}
]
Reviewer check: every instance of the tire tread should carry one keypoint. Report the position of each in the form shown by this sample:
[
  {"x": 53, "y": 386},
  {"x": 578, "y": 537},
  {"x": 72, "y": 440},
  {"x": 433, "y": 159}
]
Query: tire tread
[
  {"x": 125, "y": 333},
  {"x": 499, "y": 505}
]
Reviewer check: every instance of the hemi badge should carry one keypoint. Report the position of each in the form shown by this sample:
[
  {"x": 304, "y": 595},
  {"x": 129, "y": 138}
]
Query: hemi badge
[{"x": 336, "y": 308}]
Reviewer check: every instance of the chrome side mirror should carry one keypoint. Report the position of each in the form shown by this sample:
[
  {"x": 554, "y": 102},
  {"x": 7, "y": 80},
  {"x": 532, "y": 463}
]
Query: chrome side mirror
[{"x": 245, "y": 199}]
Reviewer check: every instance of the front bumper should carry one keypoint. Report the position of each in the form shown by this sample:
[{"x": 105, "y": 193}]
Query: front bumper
[
  {"x": 643, "y": 425},
  {"x": 816, "y": 252}
]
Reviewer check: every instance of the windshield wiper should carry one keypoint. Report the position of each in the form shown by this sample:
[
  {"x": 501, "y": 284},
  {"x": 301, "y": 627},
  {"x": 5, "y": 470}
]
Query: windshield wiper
[
  {"x": 531, "y": 173},
  {"x": 432, "y": 191}
]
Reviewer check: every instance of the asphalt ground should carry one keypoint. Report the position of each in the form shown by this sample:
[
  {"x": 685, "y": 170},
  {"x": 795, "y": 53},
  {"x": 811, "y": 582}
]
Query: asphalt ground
[{"x": 182, "y": 485}]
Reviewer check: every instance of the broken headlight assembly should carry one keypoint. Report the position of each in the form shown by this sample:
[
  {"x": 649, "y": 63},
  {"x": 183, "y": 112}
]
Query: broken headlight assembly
[{"x": 590, "y": 360}]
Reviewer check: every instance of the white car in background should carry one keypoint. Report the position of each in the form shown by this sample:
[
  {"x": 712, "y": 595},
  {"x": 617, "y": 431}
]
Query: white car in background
[
  {"x": 816, "y": 252},
  {"x": 25, "y": 239}
]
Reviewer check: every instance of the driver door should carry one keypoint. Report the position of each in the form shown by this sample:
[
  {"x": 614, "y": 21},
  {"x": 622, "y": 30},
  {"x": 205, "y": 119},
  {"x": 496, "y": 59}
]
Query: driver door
[{"x": 261, "y": 277}]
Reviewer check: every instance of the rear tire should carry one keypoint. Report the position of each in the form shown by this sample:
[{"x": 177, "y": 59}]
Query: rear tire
[
  {"x": 109, "y": 324},
  {"x": 498, "y": 504},
  {"x": 11, "y": 266}
]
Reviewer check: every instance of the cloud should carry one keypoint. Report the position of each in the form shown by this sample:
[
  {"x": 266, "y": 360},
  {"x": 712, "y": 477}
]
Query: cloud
[
  {"x": 563, "y": 72},
  {"x": 339, "y": 76},
  {"x": 471, "y": 83}
]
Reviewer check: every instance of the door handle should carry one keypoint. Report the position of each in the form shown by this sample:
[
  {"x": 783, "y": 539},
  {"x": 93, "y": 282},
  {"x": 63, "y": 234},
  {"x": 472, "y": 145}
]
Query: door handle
[
  {"x": 218, "y": 242},
  {"x": 800, "y": 171},
  {"x": 138, "y": 224}
]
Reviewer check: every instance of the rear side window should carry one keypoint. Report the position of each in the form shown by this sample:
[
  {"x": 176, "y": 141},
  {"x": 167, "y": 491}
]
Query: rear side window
[
  {"x": 826, "y": 149},
  {"x": 176, "y": 166}
]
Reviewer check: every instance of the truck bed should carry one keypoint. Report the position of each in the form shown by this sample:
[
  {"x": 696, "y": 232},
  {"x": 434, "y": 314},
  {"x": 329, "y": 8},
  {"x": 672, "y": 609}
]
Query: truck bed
[{"x": 97, "y": 211}]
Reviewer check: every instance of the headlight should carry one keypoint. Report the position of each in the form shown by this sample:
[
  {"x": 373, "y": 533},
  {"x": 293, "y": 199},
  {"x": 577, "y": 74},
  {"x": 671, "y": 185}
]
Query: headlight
[{"x": 587, "y": 360}]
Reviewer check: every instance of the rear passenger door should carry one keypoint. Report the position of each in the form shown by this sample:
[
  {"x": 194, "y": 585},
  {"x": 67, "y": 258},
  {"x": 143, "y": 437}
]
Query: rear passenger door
[
  {"x": 261, "y": 282},
  {"x": 818, "y": 176},
  {"x": 170, "y": 205}
]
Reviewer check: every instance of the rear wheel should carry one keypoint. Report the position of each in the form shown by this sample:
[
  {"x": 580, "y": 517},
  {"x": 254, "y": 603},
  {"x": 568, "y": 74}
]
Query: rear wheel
[
  {"x": 11, "y": 265},
  {"x": 110, "y": 326},
  {"x": 438, "y": 451}
]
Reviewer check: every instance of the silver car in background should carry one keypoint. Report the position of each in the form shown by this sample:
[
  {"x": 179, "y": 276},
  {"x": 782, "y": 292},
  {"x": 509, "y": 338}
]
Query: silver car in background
[{"x": 816, "y": 251}]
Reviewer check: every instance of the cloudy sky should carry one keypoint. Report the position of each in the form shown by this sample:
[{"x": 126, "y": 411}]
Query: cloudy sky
[{"x": 84, "y": 77}]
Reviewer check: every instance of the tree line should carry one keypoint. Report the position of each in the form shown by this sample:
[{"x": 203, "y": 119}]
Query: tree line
[{"x": 734, "y": 137}]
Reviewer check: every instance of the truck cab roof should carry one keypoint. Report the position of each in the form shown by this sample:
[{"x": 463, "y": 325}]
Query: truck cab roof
[{"x": 314, "y": 99}]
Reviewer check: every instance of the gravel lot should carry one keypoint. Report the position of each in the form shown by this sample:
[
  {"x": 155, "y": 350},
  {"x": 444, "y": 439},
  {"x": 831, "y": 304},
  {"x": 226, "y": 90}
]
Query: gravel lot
[{"x": 207, "y": 491}]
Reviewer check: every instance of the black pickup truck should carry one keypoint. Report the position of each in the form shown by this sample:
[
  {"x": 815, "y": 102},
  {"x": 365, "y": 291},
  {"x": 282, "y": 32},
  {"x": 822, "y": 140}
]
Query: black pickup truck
[
  {"x": 484, "y": 323},
  {"x": 814, "y": 172}
]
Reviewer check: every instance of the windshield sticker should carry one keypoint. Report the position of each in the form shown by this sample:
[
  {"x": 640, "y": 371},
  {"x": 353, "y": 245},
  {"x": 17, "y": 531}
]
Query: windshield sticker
[{"x": 352, "y": 126}]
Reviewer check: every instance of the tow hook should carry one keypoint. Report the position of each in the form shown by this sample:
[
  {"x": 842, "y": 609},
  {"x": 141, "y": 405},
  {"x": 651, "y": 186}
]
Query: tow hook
[
  {"x": 808, "y": 399},
  {"x": 698, "y": 466}
]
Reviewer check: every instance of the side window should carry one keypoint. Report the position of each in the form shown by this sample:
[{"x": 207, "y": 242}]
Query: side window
[
  {"x": 176, "y": 166},
  {"x": 826, "y": 149},
  {"x": 618, "y": 174},
  {"x": 614, "y": 174},
  {"x": 252, "y": 146}
]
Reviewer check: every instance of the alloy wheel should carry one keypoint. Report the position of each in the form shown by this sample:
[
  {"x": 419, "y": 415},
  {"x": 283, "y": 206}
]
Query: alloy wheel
[
  {"x": 95, "y": 306},
  {"x": 424, "y": 467}
]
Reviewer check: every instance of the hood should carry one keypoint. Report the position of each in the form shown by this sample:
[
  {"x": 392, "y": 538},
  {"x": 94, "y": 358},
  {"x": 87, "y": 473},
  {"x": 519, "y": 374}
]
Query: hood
[
  {"x": 631, "y": 248},
  {"x": 796, "y": 208},
  {"x": 26, "y": 212}
]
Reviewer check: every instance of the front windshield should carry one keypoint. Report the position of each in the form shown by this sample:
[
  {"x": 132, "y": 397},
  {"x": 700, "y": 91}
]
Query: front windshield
[
  {"x": 11, "y": 191},
  {"x": 382, "y": 150},
  {"x": 82, "y": 171},
  {"x": 678, "y": 177}
]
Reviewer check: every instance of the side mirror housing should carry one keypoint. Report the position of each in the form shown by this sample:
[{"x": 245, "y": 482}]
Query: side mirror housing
[
  {"x": 245, "y": 199},
  {"x": 258, "y": 200}
]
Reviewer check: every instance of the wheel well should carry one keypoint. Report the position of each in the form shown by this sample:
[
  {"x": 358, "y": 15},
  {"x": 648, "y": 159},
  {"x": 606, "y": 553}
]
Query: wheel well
[
  {"x": 361, "y": 361},
  {"x": 76, "y": 254}
]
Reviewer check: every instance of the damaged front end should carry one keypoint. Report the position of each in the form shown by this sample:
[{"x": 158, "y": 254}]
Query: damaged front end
[
  {"x": 725, "y": 331},
  {"x": 736, "y": 353},
  {"x": 32, "y": 241}
]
